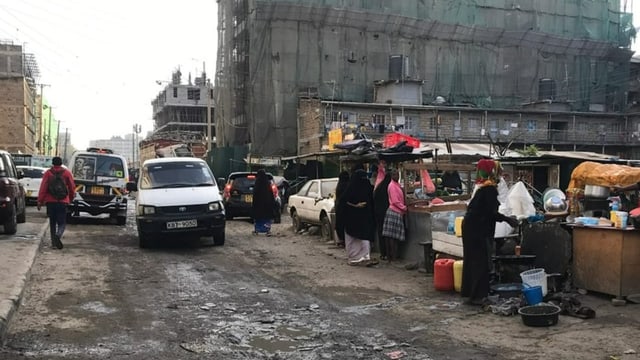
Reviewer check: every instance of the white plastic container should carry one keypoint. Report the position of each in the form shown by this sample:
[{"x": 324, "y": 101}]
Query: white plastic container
[{"x": 535, "y": 277}]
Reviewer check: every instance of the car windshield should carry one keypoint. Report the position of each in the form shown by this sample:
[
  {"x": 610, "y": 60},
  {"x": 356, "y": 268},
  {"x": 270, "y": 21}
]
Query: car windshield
[
  {"x": 88, "y": 166},
  {"x": 32, "y": 173},
  {"x": 176, "y": 174}
]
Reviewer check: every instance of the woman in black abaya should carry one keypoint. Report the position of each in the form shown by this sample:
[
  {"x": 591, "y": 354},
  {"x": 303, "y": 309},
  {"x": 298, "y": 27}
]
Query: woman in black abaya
[{"x": 478, "y": 229}]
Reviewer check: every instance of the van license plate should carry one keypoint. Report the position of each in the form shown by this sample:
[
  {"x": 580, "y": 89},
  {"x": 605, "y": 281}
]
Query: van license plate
[{"x": 182, "y": 224}]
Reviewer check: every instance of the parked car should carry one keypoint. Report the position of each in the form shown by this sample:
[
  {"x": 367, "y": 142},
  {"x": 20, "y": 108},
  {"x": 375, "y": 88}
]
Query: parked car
[
  {"x": 12, "y": 195},
  {"x": 237, "y": 195},
  {"x": 314, "y": 205},
  {"x": 31, "y": 179},
  {"x": 178, "y": 196}
]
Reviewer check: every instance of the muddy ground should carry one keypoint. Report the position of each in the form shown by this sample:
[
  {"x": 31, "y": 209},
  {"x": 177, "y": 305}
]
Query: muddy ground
[{"x": 289, "y": 296}]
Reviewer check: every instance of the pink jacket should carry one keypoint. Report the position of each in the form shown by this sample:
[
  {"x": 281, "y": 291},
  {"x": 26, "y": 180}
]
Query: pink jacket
[{"x": 396, "y": 198}]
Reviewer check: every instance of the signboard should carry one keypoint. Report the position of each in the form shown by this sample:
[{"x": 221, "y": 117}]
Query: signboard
[{"x": 335, "y": 137}]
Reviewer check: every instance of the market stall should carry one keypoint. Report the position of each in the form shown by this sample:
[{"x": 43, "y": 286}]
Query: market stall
[{"x": 606, "y": 249}]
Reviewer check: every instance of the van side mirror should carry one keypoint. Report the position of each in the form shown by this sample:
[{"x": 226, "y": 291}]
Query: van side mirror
[
  {"x": 221, "y": 181},
  {"x": 131, "y": 186}
]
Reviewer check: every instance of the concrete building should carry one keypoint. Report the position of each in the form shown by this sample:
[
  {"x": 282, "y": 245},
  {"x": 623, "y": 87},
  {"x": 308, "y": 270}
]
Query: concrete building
[
  {"x": 120, "y": 145},
  {"x": 182, "y": 108},
  {"x": 550, "y": 73},
  {"x": 20, "y": 128}
]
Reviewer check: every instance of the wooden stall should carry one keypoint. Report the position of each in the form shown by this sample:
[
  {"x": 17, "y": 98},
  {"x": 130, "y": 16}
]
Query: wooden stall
[
  {"x": 607, "y": 260},
  {"x": 422, "y": 226}
]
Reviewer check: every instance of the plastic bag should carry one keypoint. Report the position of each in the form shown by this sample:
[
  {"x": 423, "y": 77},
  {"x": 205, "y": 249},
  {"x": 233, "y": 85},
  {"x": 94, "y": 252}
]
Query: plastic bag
[{"x": 520, "y": 202}]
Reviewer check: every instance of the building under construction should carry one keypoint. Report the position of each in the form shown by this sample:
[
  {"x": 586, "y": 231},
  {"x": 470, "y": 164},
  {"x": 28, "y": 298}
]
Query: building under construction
[
  {"x": 480, "y": 54},
  {"x": 20, "y": 125}
]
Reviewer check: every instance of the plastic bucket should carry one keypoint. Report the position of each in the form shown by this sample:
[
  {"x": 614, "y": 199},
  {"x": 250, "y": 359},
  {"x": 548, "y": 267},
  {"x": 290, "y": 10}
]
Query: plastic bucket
[
  {"x": 533, "y": 295},
  {"x": 535, "y": 277}
]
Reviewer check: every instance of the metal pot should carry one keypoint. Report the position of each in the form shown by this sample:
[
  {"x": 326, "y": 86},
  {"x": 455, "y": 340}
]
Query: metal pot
[{"x": 596, "y": 191}]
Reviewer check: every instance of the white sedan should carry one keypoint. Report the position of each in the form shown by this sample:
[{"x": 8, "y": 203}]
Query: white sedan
[
  {"x": 314, "y": 205},
  {"x": 31, "y": 179}
]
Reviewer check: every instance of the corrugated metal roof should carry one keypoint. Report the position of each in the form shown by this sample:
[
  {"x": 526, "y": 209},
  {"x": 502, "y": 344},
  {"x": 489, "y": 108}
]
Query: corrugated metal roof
[
  {"x": 582, "y": 155},
  {"x": 469, "y": 149}
]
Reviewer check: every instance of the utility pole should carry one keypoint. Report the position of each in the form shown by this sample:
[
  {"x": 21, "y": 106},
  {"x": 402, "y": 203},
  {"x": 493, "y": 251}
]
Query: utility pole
[
  {"x": 41, "y": 147},
  {"x": 48, "y": 149},
  {"x": 209, "y": 140},
  {"x": 58, "y": 139},
  {"x": 137, "y": 128},
  {"x": 64, "y": 151}
]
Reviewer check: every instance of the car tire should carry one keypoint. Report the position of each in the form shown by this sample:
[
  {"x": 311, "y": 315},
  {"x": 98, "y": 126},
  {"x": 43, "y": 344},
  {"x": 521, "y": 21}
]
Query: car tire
[
  {"x": 295, "y": 220},
  {"x": 22, "y": 217},
  {"x": 143, "y": 240},
  {"x": 11, "y": 224},
  {"x": 218, "y": 237},
  {"x": 325, "y": 228}
]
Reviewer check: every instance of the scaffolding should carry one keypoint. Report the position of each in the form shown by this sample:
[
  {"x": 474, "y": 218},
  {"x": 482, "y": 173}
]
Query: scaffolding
[{"x": 483, "y": 53}]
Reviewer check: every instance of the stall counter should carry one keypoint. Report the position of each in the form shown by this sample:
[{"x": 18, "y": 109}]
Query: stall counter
[{"x": 607, "y": 260}]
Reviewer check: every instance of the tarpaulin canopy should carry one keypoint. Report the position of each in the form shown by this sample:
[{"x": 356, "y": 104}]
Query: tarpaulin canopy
[{"x": 592, "y": 173}]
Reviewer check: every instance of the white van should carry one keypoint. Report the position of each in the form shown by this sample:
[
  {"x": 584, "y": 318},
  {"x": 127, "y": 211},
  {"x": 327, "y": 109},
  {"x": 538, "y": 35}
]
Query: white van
[
  {"x": 178, "y": 196},
  {"x": 101, "y": 179}
]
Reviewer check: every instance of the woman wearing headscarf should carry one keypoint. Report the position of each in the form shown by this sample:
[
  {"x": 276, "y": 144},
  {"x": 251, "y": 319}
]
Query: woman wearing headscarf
[
  {"x": 393, "y": 227},
  {"x": 380, "y": 206},
  {"x": 478, "y": 229},
  {"x": 263, "y": 204},
  {"x": 341, "y": 187},
  {"x": 359, "y": 222}
]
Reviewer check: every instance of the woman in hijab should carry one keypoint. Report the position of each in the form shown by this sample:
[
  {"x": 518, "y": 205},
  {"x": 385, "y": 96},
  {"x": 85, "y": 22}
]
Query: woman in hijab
[
  {"x": 359, "y": 222},
  {"x": 380, "y": 206},
  {"x": 393, "y": 227},
  {"x": 478, "y": 229},
  {"x": 263, "y": 204},
  {"x": 343, "y": 182}
]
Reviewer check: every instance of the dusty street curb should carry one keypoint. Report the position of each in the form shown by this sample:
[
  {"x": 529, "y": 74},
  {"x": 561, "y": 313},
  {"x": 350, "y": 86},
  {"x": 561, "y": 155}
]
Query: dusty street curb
[{"x": 19, "y": 279}]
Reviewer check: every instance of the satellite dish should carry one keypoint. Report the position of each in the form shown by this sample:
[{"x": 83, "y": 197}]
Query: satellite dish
[{"x": 440, "y": 100}]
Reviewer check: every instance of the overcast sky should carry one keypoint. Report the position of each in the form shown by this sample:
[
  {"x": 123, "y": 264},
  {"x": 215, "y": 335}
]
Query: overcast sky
[{"x": 101, "y": 60}]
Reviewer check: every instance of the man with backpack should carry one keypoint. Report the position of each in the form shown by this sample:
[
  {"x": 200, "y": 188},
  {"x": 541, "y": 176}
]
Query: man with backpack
[{"x": 56, "y": 192}]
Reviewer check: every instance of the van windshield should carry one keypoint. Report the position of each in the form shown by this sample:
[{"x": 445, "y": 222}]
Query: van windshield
[
  {"x": 176, "y": 174},
  {"x": 89, "y": 166}
]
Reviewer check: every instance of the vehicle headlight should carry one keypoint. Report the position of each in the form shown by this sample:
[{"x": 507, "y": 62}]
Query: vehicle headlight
[
  {"x": 146, "y": 210},
  {"x": 216, "y": 206}
]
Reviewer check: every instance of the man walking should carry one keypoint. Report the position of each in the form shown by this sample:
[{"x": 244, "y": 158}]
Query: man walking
[{"x": 56, "y": 192}]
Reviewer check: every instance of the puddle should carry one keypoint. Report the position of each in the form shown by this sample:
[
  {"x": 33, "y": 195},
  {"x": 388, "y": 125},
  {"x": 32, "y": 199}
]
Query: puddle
[
  {"x": 98, "y": 307},
  {"x": 285, "y": 339}
]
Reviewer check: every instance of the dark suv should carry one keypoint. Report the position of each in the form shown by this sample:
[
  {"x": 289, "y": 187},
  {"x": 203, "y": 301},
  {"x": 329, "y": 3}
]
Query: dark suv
[
  {"x": 237, "y": 195},
  {"x": 12, "y": 195}
]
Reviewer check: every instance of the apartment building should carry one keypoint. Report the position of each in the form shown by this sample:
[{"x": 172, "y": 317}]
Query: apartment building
[{"x": 20, "y": 125}]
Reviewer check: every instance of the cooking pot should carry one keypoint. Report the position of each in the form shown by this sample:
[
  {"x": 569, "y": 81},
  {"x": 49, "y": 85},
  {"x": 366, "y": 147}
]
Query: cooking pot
[{"x": 596, "y": 191}]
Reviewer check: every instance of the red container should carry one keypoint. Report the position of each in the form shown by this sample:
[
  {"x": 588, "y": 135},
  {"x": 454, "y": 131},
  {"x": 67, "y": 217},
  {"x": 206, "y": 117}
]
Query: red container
[
  {"x": 394, "y": 138},
  {"x": 443, "y": 274}
]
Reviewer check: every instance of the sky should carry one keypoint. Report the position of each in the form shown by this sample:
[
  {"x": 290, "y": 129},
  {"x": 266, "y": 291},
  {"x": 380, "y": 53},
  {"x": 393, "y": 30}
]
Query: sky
[{"x": 100, "y": 61}]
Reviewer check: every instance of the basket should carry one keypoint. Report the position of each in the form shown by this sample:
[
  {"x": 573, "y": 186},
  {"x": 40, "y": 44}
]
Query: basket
[
  {"x": 540, "y": 315},
  {"x": 535, "y": 277}
]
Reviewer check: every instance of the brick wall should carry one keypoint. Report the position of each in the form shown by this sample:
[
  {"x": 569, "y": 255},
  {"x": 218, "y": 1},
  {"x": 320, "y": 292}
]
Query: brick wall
[
  {"x": 311, "y": 130},
  {"x": 12, "y": 115}
]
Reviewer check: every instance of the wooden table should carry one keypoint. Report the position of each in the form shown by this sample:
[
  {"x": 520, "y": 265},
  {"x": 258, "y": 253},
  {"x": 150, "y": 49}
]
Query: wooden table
[{"x": 607, "y": 260}]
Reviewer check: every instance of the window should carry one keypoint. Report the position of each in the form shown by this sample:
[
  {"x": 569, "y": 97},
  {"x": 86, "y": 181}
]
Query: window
[
  {"x": 409, "y": 123},
  {"x": 474, "y": 124},
  {"x": 313, "y": 190},
  {"x": 193, "y": 94},
  {"x": 175, "y": 92},
  {"x": 377, "y": 119},
  {"x": 531, "y": 125},
  {"x": 432, "y": 123}
]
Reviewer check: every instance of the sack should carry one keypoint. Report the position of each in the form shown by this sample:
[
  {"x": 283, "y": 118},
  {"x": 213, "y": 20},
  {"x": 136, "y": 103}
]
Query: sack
[{"x": 57, "y": 187}]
